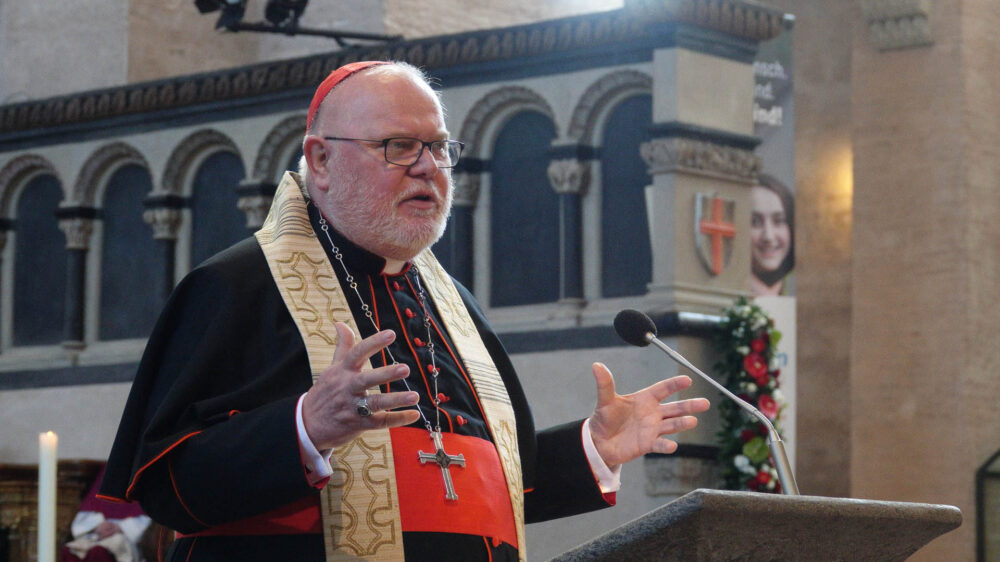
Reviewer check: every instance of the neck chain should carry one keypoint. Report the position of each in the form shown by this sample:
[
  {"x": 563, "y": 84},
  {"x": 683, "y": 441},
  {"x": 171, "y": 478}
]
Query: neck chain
[{"x": 422, "y": 296}]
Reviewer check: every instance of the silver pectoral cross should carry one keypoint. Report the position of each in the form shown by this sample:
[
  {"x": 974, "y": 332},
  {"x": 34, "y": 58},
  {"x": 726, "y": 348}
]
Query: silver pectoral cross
[{"x": 444, "y": 460}]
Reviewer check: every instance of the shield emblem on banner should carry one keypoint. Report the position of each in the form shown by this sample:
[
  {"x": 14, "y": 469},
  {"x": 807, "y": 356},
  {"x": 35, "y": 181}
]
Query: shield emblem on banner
[{"x": 714, "y": 231}]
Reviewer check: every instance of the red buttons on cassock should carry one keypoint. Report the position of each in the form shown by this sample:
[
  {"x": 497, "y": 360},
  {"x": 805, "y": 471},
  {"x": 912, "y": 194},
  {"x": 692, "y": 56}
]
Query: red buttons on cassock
[
  {"x": 418, "y": 342},
  {"x": 409, "y": 313},
  {"x": 442, "y": 398},
  {"x": 395, "y": 285},
  {"x": 461, "y": 420}
]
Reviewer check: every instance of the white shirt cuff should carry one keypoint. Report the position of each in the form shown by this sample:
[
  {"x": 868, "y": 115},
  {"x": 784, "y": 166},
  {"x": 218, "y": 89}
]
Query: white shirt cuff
[
  {"x": 317, "y": 462},
  {"x": 608, "y": 479}
]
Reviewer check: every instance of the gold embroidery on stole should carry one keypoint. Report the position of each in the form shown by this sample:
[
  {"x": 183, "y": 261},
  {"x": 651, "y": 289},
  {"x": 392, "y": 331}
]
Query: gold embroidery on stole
[{"x": 359, "y": 505}]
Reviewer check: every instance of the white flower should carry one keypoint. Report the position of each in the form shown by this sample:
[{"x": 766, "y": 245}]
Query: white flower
[
  {"x": 779, "y": 397},
  {"x": 749, "y": 387},
  {"x": 742, "y": 463},
  {"x": 743, "y": 350},
  {"x": 770, "y": 484}
]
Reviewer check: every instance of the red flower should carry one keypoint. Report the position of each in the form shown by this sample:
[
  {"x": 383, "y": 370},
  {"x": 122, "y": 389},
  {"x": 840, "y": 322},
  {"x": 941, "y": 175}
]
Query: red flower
[
  {"x": 763, "y": 477},
  {"x": 755, "y": 365},
  {"x": 767, "y": 406},
  {"x": 747, "y": 435},
  {"x": 759, "y": 344},
  {"x": 775, "y": 373},
  {"x": 752, "y": 484},
  {"x": 761, "y": 379}
]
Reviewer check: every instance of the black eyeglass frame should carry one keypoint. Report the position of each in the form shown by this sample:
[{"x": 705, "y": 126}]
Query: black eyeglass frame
[{"x": 448, "y": 143}]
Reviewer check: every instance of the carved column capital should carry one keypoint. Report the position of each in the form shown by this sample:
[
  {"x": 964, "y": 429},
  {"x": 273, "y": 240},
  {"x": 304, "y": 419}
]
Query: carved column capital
[
  {"x": 569, "y": 175},
  {"x": 675, "y": 154},
  {"x": 256, "y": 208},
  {"x": 165, "y": 221},
  {"x": 467, "y": 186},
  {"x": 77, "y": 231},
  {"x": 255, "y": 197},
  {"x": 898, "y": 24}
]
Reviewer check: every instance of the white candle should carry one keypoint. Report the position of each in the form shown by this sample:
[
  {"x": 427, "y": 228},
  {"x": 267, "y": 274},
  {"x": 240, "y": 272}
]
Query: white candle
[{"x": 47, "y": 460}]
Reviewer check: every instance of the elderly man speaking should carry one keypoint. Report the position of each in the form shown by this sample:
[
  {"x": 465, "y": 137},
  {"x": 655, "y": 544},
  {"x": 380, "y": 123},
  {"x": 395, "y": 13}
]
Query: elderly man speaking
[{"x": 326, "y": 391}]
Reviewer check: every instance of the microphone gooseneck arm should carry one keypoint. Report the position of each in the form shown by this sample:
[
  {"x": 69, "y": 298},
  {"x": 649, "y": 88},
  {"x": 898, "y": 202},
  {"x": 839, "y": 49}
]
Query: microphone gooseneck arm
[{"x": 774, "y": 442}]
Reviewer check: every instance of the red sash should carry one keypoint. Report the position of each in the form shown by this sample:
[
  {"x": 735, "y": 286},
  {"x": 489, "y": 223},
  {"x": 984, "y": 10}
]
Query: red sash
[{"x": 483, "y": 506}]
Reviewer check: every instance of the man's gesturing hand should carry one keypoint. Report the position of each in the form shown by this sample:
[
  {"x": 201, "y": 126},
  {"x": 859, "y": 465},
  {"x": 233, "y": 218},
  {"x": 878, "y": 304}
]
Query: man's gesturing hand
[
  {"x": 626, "y": 427},
  {"x": 329, "y": 410}
]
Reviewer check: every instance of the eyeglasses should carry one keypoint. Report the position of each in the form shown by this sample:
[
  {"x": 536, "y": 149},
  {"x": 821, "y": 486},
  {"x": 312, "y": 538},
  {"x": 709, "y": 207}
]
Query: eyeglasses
[{"x": 405, "y": 151}]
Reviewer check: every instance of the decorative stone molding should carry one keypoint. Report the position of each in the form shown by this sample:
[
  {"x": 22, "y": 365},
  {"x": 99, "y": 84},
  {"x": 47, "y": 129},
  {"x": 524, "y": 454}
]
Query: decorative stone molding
[
  {"x": 552, "y": 37},
  {"x": 569, "y": 175},
  {"x": 165, "y": 221},
  {"x": 742, "y": 19},
  {"x": 187, "y": 150},
  {"x": 77, "y": 231},
  {"x": 96, "y": 167},
  {"x": 13, "y": 175},
  {"x": 606, "y": 89},
  {"x": 289, "y": 130},
  {"x": 898, "y": 24},
  {"x": 467, "y": 186},
  {"x": 671, "y": 155}
]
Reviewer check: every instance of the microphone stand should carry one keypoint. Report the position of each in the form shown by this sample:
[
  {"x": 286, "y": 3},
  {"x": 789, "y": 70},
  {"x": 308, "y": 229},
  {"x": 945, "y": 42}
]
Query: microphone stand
[{"x": 774, "y": 442}]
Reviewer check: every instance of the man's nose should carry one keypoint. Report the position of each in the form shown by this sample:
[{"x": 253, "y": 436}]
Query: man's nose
[{"x": 425, "y": 164}]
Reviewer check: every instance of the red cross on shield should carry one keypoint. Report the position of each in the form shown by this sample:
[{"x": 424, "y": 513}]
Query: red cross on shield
[{"x": 714, "y": 231}]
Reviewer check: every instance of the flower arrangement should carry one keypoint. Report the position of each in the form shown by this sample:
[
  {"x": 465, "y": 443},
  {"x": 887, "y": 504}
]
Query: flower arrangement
[{"x": 746, "y": 344}]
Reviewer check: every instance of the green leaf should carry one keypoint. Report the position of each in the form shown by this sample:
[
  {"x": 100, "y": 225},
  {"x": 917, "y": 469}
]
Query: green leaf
[
  {"x": 756, "y": 450},
  {"x": 775, "y": 338}
]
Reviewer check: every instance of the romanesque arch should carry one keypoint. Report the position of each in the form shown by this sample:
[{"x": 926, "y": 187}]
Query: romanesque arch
[
  {"x": 494, "y": 107},
  {"x": 274, "y": 150},
  {"x": 188, "y": 153},
  {"x": 96, "y": 168},
  {"x": 603, "y": 93},
  {"x": 15, "y": 173}
]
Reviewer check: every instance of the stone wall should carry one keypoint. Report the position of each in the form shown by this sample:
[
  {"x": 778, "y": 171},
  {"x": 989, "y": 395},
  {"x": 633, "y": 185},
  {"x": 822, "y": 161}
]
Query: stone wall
[
  {"x": 923, "y": 371},
  {"x": 823, "y": 190}
]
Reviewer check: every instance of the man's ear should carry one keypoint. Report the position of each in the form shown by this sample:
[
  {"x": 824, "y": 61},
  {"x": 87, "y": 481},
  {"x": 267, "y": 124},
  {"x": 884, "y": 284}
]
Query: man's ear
[{"x": 318, "y": 159}]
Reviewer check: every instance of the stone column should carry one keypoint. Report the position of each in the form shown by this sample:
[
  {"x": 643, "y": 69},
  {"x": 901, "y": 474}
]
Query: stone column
[
  {"x": 77, "y": 223},
  {"x": 163, "y": 215},
  {"x": 569, "y": 178},
  {"x": 255, "y": 198},
  {"x": 925, "y": 289},
  {"x": 467, "y": 186},
  {"x": 701, "y": 159}
]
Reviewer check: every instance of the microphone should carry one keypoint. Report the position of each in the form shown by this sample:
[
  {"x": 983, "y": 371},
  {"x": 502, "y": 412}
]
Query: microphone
[{"x": 637, "y": 329}]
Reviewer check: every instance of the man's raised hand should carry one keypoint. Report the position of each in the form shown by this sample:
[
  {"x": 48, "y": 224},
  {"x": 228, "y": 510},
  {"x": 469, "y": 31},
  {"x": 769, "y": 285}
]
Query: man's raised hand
[
  {"x": 627, "y": 427},
  {"x": 330, "y": 408}
]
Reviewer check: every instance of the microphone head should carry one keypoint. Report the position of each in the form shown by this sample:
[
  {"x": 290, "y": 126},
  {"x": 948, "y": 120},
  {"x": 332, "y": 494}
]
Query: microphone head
[{"x": 632, "y": 326}]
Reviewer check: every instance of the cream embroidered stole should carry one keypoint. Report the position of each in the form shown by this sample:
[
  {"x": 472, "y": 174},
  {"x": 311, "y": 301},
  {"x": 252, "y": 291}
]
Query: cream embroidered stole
[{"x": 359, "y": 505}]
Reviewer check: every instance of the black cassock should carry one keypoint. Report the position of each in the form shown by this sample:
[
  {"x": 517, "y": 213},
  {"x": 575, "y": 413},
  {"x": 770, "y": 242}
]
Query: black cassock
[{"x": 208, "y": 434}]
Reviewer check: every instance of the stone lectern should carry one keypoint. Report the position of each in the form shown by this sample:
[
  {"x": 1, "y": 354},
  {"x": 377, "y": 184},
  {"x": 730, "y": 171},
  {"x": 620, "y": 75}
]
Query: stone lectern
[{"x": 746, "y": 526}]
